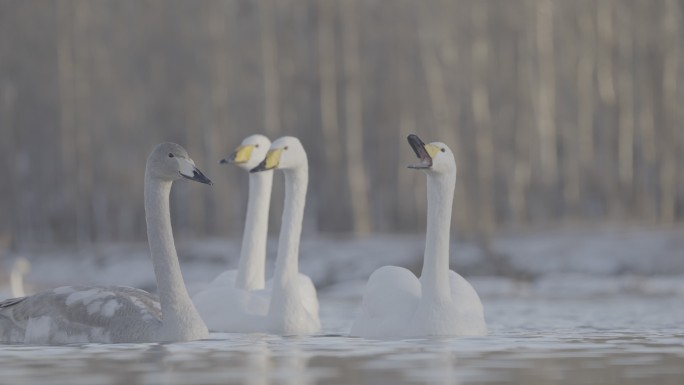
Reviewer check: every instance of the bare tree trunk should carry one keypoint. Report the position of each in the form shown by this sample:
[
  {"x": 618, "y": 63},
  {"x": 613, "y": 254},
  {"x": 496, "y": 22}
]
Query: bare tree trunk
[
  {"x": 269, "y": 57},
  {"x": 482, "y": 115},
  {"x": 327, "y": 68},
  {"x": 625, "y": 87},
  {"x": 83, "y": 140},
  {"x": 522, "y": 171},
  {"x": 217, "y": 127},
  {"x": 604, "y": 22},
  {"x": 356, "y": 164},
  {"x": 546, "y": 114},
  {"x": 608, "y": 167},
  {"x": 11, "y": 234},
  {"x": 586, "y": 71},
  {"x": 65, "y": 67},
  {"x": 671, "y": 105},
  {"x": 646, "y": 199},
  {"x": 328, "y": 81}
]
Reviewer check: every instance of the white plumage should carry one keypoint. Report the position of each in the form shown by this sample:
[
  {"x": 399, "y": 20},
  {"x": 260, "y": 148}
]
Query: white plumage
[
  {"x": 288, "y": 304},
  {"x": 396, "y": 303}
]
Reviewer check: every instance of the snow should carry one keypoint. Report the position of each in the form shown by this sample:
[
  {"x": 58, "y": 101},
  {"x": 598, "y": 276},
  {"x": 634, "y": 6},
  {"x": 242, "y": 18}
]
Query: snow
[{"x": 559, "y": 262}]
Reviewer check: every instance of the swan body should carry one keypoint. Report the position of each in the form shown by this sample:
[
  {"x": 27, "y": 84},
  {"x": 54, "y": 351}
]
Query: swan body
[
  {"x": 288, "y": 304},
  {"x": 440, "y": 303},
  {"x": 118, "y": 314},
  {"x": 234, "y": 298},
  {"x": 293, "y": 308}
]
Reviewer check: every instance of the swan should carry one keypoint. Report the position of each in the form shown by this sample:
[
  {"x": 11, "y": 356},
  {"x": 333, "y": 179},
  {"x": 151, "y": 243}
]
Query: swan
[
  {"x": 233, "y": 299},
  {"x": 288, "y": 305},
  {"x": 250, "y": 274},
  {"x": 293, "y": 306},
  {"x": 118, "y": 314},
  {"x": 440, "y": 302}
]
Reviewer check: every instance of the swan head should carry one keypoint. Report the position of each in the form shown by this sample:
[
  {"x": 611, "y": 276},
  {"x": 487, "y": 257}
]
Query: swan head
[
  {"x": 250, "y": 153},
  {"x": 435, "y": 156},
  {"x": 169, "y": 162},
  {"x": 285, "y": 153}
]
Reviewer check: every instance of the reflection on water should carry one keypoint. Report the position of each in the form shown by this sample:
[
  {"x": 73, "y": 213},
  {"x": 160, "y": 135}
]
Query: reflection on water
[{"x": 623, "y": 340}]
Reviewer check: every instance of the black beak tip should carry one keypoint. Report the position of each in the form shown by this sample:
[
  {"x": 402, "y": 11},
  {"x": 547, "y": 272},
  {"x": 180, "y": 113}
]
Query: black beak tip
[
  {"x": 418, "y": 147},
  {"x": 203, "y": 179},
  {"x": 223, "y": 161},
  {"x": 414, "y": 140},
  {"x": 260, "y": 167},
  {"x": 198, "y": 176}
]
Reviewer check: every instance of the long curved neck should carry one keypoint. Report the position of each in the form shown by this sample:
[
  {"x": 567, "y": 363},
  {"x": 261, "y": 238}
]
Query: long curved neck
[
  {"x": 435, "y": 275},
  {"x": 250, "y": 274},
  {"x": 287, "y": 261},
  {"x": 178, "y": 313}
]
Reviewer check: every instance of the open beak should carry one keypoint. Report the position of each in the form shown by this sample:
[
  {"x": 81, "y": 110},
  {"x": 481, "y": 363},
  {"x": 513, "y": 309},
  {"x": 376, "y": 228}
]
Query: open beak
[
  {"x": 421, "y": 150},
  {"x": 239, "y": 156},
  {"x": 272, "y": 161}
]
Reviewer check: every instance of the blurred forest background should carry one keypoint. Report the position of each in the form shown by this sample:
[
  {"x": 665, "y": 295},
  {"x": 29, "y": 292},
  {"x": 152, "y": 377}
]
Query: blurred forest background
[{"x": 559, "y": 111}]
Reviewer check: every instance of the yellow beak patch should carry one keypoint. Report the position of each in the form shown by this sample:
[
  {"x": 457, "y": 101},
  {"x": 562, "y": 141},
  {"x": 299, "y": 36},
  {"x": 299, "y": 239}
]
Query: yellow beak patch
[
  {"x": 242, "y": 154},
  {"x": 432, "y": 150},
  {"x": 273, "y": 158}
]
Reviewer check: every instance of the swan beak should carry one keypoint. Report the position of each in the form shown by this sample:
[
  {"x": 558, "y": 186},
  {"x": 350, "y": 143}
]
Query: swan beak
[
  {"x": 424, "y": 152},
  {"x": 272, "y": 161},
  {"x": 239, "y": 156},
  {"x": 188, "y": 170}
]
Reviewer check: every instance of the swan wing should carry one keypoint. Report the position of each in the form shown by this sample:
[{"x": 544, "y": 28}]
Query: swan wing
[
  {"x": 309, "y": 297},
  {"x": 389, "y": 301},
  {"x": 289, "y": 314},
  {"x": 79, "y": 314},
  {"x": 468, "y": 305}
]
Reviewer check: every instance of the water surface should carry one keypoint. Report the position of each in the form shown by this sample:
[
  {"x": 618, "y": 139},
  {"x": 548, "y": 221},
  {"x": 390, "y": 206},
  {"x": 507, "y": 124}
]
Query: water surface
[{"x": 605, "y": 340}]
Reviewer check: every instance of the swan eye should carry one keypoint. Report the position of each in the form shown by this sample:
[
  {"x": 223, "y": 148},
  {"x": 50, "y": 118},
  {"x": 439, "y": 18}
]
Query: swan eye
[
  {"x": 256, "y": 145},
  {"x": 286, "y": 147},
  {"x": 443, "y": 150},
  {"x": 170, "y": 155}
]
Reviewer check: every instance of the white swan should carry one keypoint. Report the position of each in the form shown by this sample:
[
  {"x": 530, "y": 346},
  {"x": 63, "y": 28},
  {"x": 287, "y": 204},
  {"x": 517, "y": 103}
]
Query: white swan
[
  {"x": 115, "y": 314},
  {"x": 231, "y": 301},
  {"x": 289, "y": 304},
  {"x": 293, "y": 308},
  {"x": 250, "y": 274},
  {"x": 441, "y": 302}
]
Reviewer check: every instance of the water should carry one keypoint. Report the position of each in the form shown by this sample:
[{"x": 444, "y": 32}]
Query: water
[{"x": 605, "y": 340}]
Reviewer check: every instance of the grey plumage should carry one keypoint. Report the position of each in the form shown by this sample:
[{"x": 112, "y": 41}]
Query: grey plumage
[
  {"x": 111, "y": 314},
  {"x": 73, "y": 314}
]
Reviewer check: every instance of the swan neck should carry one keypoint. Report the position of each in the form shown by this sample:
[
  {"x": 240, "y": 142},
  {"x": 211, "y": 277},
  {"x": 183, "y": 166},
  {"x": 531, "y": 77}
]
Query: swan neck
[
  {"x": 251, "y": 269},
  {"x": 287, "y": 261},
  {"x": 178, "y": 313},
  {"x": 435, "y": 275}
]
